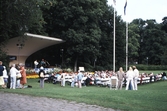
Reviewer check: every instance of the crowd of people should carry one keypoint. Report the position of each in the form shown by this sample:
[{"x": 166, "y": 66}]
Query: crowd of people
[
  {"x": 76, "y": 78},
  {"x": 81, "y": 78},
  {"x": 44, "y": 63},
  {"x": 18, "y": 79},
  {"x": 130, "y": 79},
  {"x": 15, "y": 79}
]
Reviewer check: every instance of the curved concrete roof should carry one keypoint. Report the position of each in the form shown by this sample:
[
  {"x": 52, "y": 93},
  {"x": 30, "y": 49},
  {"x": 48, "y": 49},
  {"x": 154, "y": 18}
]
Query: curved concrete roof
[
  {"x": 31, "y": 44},
  {"x": 24, "y": 46}
]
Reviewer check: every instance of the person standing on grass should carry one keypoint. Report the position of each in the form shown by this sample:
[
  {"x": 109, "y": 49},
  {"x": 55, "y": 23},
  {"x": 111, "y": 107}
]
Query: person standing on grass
[
  {"x": 129, "y": 78},
  {"x": 36, "y": 64},
  {"x": 5, "y": 77},
  {"x": 1, "y": 75},
  {"x": 164, "y": 76},
  {"x": 23, "y": 79},
  {"x": 18, "y": 77},
  {"x": 13, "y": 73},
  {"x": 41, "y": 76},
  {"x": 63, "y": 78},
  {"x": 136, "y": 76},
  {"x": 74, "y": 79},
  {"x": 79, "y": 78},
  {"x": 121, "y": 76}
]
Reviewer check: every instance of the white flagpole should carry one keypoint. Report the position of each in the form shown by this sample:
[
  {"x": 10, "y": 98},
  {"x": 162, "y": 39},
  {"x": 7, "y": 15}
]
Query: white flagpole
[
  {"x": 126, "y": 36},
  {"x": 126, "y": 45},
  {"x": 114, "y": 44}
]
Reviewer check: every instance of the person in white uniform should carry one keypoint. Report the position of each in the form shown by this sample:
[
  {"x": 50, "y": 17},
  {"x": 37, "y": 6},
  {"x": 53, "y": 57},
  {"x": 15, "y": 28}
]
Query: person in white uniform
[
  {"x": 5, "y": 76},
  {"x": 129, "y": 78},
  {"x": 136, "y": 72},
  {"x": 13, "y": 73},
  {"x": 63, "y": 78}
]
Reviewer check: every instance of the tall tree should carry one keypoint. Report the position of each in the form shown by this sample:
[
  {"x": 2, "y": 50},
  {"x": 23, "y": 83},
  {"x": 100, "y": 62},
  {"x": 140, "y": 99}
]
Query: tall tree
[
  {"x": 20, "y": 16},
  {"x": 164, "y": 27},
  {"x": 133, "y": 42},
  {"x": 106, "y": 42},
  {"x": 77, "y": 22},
  {"x": 154, "y": 43}
]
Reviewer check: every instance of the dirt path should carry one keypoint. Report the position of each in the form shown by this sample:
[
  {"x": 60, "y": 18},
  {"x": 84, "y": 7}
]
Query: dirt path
[{"x": 18, "y": 102}]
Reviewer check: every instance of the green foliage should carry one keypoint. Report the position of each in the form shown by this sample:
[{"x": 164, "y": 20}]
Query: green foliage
[
  {"x": 105, "y": 59},
  {"x": 4, "y": 58},
  {"x": 87, "y": 28},
  {"x": 164, "y": 26},
  {"x": 151, "y": 67},
  {"x": 77, "y": 22},
  {"x": 133, "y": 43},
  {"x": 152, "y": 42},
  {"x": 88, "y": 67},
  {"x": 68, "y": 70},
  {"x": 18, "y": 17}
]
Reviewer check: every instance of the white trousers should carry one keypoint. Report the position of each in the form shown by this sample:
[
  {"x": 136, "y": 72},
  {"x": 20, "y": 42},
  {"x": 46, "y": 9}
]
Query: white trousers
[
  {"x": 63, "y": 82},
  {"x": 13, "y": 82},
  {"x": 135, "y": 83},
  {"x": 18, "y": 83},
  {"x": 128, "y": 82}
]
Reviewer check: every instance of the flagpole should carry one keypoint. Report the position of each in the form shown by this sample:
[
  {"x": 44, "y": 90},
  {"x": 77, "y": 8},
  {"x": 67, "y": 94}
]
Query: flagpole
[
  {"x": 126, "y": 45},
  {"x": 126, "y": 36},
  {"x": 114, "y": 44}
]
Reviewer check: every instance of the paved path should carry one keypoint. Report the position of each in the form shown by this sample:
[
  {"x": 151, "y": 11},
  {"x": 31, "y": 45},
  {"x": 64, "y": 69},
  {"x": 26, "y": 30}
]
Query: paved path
[{"x": 18, "y": 102}]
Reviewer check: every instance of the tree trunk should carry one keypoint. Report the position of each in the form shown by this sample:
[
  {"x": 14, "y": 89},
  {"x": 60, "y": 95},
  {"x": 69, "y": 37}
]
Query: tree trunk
[{"x": 75, "y": 64}]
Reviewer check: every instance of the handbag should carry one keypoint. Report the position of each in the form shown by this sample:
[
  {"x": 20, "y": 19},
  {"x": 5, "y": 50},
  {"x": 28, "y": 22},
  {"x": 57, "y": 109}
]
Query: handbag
[
  {"x": 18, "y": 75},
  {"x": 41, "y": 75}
]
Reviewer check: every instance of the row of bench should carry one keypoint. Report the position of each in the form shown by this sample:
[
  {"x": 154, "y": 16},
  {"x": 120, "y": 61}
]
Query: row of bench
[{"x": 103, "y": 81}]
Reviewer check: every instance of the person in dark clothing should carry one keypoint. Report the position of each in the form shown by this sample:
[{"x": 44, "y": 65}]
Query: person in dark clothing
[
  {"x": 164, "y": 76},
  {"x": 88, "y": 80},
  {"x": 43, "y": 63}
]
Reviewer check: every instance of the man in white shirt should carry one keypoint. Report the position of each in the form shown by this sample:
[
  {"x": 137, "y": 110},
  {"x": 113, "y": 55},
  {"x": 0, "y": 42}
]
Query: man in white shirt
[
  {"x": 136, "y": 72},
  {"x": 13, "y": 73},
  {"x": 36, "y": 64}
]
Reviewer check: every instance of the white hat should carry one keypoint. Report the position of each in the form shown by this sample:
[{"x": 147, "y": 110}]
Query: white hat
[{"x": 13, "y": 65}]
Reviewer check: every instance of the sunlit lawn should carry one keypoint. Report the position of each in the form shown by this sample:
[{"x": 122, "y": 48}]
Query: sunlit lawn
[{"x": 149, "y": 97}]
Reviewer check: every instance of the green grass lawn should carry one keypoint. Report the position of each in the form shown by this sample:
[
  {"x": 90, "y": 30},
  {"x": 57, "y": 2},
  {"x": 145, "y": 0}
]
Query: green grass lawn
[
  {"x": 154, "y": 72},
  {"x": 149, "y": 97}
]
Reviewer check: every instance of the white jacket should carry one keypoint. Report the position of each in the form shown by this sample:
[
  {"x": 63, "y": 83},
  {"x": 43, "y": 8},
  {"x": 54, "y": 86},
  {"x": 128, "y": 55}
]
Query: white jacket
[
  {"x": 5, "y": 75},
  {"x": 130, "y": 75},
  {"x": 13, "y": 72},
  {"x": 136, "y": 73}
]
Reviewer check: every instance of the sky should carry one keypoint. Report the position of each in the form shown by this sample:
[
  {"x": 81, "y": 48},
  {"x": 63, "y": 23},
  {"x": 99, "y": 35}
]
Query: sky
[{"x": 144, "y": 9}]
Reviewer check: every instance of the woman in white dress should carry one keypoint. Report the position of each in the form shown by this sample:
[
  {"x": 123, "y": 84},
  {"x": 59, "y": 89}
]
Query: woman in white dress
[
  {"x": 129, "y": 78},
  {"x": 63, "y": 78},
  {"x": 5, "y": 76}
]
